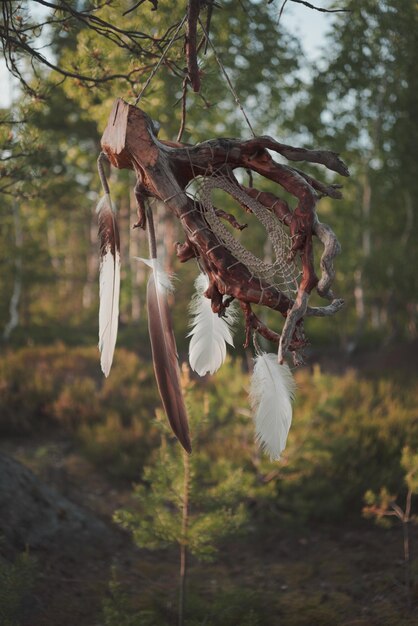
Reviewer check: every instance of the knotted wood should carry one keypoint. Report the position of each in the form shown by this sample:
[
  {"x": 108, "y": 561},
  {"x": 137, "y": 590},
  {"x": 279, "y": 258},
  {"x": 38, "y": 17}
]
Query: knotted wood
[{"x": 164, "y": 169}]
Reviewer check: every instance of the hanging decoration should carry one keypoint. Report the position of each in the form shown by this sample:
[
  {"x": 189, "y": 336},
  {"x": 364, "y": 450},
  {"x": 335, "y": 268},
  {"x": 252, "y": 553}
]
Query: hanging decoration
[
  {"x": 109, "y": 274},
  {"x": 166, "y": 171},
  {"x": 210, "y": 332},
  {"x": 186, "y": 178}
]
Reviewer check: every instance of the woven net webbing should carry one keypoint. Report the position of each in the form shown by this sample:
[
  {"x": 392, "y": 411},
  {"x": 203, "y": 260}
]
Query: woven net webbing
[{"x": 281, "y": 272}]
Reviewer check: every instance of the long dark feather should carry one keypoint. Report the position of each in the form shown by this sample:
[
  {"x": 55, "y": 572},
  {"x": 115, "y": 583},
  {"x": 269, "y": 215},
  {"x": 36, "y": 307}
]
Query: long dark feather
[{"x": 164, "y": 355}]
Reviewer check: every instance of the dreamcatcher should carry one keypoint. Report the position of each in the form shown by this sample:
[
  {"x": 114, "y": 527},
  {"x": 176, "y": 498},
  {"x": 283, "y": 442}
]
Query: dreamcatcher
[
  {"x": 186, "y": 178},
  {"x": 229, "y": 272}
]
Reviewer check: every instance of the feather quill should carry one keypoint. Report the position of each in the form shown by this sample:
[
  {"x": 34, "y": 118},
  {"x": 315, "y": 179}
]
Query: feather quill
[
  {"x": 272, "y": 392},
  {"x": 210, "y": 333},
  {"x": 164, "y": 351},
  {"x": 109, "y": 281}
]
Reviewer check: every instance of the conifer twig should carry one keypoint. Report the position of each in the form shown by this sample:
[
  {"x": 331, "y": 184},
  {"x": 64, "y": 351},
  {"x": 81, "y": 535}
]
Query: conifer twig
[{"x": 320, "y": 9}]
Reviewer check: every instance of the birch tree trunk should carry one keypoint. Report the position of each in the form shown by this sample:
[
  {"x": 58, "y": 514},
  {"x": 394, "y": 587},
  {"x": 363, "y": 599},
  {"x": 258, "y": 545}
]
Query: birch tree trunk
[
  {"x": 366, "y": 245},
  {"x": 92, "y": 264},
  {"x": 17, "y": 286}
]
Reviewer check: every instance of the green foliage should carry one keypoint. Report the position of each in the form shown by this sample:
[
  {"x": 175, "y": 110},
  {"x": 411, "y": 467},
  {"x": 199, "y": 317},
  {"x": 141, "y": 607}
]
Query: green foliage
[
  {"x": 379, "y": 506},
  {"x": 383, "y": 505},
  {"x": 261, "y": 58},
  {"x": 16, "y": 583},
  {"x": 214, "y": 488},
  {"x": 350, "y": 435},
  {"x": 118, "y": 610},
  {"x": 237, "y": 606},
  {"x": 63, "y": 388},
  {"x": 409, "y": 463},
  {"x": 232, "y": 607},
  {"x": 157, "y": 523},
  {"x": 362, "y": 101},
  {"x": 341, "y": 425}
]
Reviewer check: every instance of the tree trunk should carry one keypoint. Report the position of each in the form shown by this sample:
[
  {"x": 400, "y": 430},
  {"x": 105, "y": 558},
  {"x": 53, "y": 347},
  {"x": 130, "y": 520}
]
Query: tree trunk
[
  {"x": 358, "y": 274},
  {"x": 92, "y": 263},
  {"x": 17, "y": 286},
  {"x": 184, "y": 538}
]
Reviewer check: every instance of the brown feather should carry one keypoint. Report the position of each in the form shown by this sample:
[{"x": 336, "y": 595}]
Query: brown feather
[
  {"x": 164, "y": 354},
  {"x": 109, "y": 282},
  {"x": 108, "y": 229}
]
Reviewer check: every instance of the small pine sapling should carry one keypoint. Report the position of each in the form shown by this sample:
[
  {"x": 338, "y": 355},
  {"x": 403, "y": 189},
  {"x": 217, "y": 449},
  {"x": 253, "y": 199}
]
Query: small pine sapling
[
  {"x": 192, "y": 501},
  {"x": 383, "y": 506}
]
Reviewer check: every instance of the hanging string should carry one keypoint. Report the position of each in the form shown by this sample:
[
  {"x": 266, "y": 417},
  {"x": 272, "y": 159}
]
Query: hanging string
[
  {"x": 228, "y": 80},
  {"x": 221, "y": 65},
  {"x": 103, "y": 178},
  {"x": 281, "y": 11},
  {"x": 163, "y": 56}
]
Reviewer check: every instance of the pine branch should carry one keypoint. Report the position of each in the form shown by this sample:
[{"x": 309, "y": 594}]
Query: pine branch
[{"x": 320, "y": 9}]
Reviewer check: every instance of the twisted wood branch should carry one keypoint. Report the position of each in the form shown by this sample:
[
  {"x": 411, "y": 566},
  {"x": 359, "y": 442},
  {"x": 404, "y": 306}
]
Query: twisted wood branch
[{"x": 165, "y": 169}]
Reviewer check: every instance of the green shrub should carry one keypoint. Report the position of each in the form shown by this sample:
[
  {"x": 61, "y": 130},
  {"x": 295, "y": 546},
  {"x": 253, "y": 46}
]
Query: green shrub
[
  {"x": 232, "y": 607},
  {"x": 118, "y": 610},
  {"x": 347, "y": 437},
  {"x": 118, "y": 448},
  {"x": 63, "y": 388},
  {"x": 39, "y": 384}
]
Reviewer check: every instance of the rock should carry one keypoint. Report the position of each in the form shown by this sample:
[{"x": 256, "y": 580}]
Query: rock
[{"x": 34, "y": 515}]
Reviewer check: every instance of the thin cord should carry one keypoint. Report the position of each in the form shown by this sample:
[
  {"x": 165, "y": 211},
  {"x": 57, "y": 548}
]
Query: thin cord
[
  {"x": 223, "y": 70},
  {"x": 257, "y": 348},
  {"x": 164, "y": 54},
  {"x": 281, "y": 11},
  {"x": 103, "y": 179},
  {"x": 152, "y": 242}
]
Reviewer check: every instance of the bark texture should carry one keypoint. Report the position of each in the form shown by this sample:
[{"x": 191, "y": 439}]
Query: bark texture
[{"x": 165, "y": 169}]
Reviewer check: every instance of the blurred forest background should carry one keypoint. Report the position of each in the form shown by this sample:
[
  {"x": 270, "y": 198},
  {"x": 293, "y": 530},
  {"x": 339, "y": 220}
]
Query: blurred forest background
[{"x": 97, "y": 533}]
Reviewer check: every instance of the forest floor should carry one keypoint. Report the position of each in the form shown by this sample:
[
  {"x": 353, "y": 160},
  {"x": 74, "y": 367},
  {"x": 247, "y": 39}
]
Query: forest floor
[{"x": 350, "y": 574}]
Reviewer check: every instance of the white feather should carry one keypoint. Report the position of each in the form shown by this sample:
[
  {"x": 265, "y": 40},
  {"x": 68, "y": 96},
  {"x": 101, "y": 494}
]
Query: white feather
[
  {"x": 108, "y": 293},
  {"x": 272, "y": 392},
  {"x": 210, "y": 333},
  {"x": 163, "y": 281}
]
